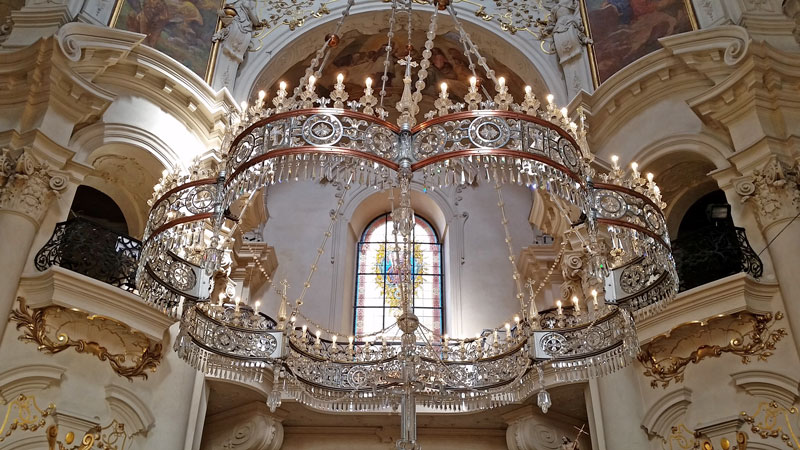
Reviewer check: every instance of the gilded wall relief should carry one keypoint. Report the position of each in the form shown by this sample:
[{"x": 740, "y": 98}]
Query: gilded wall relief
[
  {"x": 55, "y": 329},
  {"x": 623, "y": 31},
  {"x": 23, "y": 414},
  {"x": 772, "y": 421},
  {"x": 180, "y": 29},
  {"x": 110, "y": 437},
  {"x": 744, "y": 334}
]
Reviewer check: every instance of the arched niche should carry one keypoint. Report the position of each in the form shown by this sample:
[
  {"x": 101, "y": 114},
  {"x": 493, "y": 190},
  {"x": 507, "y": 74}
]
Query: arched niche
[{"x": 518, "y": 55}]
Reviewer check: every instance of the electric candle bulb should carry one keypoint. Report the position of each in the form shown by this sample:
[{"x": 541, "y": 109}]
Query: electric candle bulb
[
  {"x": 615, "y": 161},
  {"x": 350, "y": 341},
  {"x": 368, "y": 82},
  {"x": 527, "y": 89},
  {"x": 472, "y": 82},
  {"x": 258, "y": 305},
  {"x": 501, "y": 81},
  {"x": 446, "y": 341},
  {"x": 334, "y": 339},
  {"x": 550, "y": 98},
  {"x": 317, "y": 342},
  {"x": 573, "y": 126},
  {"x": 311, "y": 80},
  {"x": 649, "y": 177},
  {"x": 508, "y": 329},
  {"x": 244, "y": 106},
  {"x": 516, "y": 320},
  {"x": 564, "y": 112},
  {"x": 305, "y": 328},
  {"x": 576, "y": 304},
  {"x": 634, "y": 167},
  {"x": 340, "y": 77},
  {"x": 444, "y": 88},
  {"x": 594, "y": 297},
  {"x": 558, "y": 305},
  {"x": 282, "y": 85}
]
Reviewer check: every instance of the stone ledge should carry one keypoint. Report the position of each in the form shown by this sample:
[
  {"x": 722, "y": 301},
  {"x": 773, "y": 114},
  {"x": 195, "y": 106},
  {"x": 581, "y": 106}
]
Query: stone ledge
[
  {"x": 725, "y": 296},
  {"x": 62, "y": 287}
]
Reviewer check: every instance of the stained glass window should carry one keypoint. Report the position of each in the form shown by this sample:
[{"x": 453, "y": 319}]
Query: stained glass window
[{"x": 377, "y": 301}]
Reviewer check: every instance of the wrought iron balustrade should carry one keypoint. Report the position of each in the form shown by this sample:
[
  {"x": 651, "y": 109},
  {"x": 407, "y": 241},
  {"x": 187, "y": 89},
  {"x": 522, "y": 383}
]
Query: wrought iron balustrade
[
  {"x": 90, "y": 249},
  {"x": 714, "y": 252}
]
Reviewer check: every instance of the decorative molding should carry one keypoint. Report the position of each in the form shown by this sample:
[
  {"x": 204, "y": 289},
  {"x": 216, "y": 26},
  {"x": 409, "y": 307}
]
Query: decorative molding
[
  {"x": 130, "y": 409},
  {"x": 126, "y": 345},
  {"x": 29, "y": 378},
  {"x": 663, "y": 365},
  {"x": 726, "y": 296},
  {"x": 62, "y": 287},
  {"x": 773, "y": 189},
  {"x": 774, "y": 422},
  {"x": 247, "y": 427},
  {"x": 110, "y": 437},
  {"x": 27, "y": 186},
  {"x": 667, "y": 410},
  {"x": 770, "y": 385}
]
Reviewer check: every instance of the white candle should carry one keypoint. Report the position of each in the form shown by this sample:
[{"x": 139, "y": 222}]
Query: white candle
[
  {"x": 501, "y": 81},
  {"x": 282, "y": 85},
  {"x": 527, "y": 89},
  {"x": 576, "y": 304},
  {"x": 558, "y": 305},
  {"x": 311, "y": 80},
  {"x": 550, "y": 98},
  {"x": 615, "y": 162},
  {"x": 339, "y": 78},
  {"x": 472, "y": 82},
  {"x": 564, "y": 112},
  {"x": 444, "y": 88},
  {"x": 368, "y": 82},
  {"x": 594, "y": 297}
]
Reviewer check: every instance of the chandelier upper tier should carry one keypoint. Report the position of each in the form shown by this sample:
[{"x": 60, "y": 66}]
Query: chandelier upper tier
[{"x": 493, "y": 138}]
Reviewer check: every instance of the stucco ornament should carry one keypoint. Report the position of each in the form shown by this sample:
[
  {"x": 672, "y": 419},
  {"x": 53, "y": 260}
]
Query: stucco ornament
[
  {"x": 236, "y": 38},
  {"x": 564, "y": 26},
  {"x": 26, "y": 185},
  {"x": 773, "y": 190}
]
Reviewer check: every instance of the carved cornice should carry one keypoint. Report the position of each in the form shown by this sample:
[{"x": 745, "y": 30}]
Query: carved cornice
[
  {"x": 27, "y": 186},
  {"x": 745, "y": 335},
  {"x": 118, "y": 61},
  {"x": 666, "y": 411},
  {"x": 770, "y": 385},
  {"x": 687, "y": 65},
  {"x": 129, "y": 353},
  {"x": 63, "y": 287},
  {"x": 726, "y": 296},
  {"x": 28, "y": 378},
  {"x": 247, "y": 427}
]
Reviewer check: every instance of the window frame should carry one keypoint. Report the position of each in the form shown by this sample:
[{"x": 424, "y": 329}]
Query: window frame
[{"x": 437, "y": 241}]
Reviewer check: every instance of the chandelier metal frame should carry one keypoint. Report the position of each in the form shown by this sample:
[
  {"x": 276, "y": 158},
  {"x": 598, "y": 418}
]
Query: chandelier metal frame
[{"x": 631, "y": 273}]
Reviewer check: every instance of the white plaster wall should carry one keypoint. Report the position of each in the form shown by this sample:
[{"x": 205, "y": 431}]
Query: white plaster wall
[
  {"x": 299, "y": 216},
  {"x": 167, "y": 393}
]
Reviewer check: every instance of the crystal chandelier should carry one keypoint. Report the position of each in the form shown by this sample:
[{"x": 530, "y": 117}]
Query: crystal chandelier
[{"x": 194, "y": 216}]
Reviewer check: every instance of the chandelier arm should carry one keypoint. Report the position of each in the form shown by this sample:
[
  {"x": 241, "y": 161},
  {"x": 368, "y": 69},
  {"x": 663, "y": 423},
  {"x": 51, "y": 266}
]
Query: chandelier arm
[{"x": 387, "y": 60}]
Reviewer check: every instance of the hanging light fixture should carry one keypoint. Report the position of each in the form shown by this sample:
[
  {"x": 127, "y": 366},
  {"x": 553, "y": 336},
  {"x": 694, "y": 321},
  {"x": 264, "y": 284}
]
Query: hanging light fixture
[{"x": 494, "y": 138}]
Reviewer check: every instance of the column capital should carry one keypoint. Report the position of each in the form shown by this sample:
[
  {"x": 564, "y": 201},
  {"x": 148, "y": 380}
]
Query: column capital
[
  {"x": 773, "y": 190},
  {"x": 27, "y": 186},
  {"x": 529, "y": 429}
]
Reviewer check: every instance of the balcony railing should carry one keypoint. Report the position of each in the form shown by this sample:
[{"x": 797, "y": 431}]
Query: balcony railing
[
  {"x": 712, "y": 253},
  {"x": 85, "y": 247}
]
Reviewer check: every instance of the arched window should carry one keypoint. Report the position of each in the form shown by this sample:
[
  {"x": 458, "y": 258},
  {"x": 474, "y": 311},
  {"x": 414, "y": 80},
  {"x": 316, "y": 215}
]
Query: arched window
[{"x": 377, "y": 302}]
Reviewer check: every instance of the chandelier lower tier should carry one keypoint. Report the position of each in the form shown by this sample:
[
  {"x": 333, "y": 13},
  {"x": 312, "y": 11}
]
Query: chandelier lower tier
[{"x": 630, "y": 272}]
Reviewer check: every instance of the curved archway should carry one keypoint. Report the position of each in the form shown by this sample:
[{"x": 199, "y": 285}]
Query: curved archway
[{"x": 540, "y": 70}]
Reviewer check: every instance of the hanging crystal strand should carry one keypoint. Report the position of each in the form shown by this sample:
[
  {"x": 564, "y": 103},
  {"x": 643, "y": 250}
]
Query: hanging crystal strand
[
  {"x": 321, "y": 249},
  {"x": 422, "y": 74},
  {"x": 387, "y": 61},
  {"x": 511, "y": 258},
  {"x": 321, "y": 53},
  {"x": 470, "y": 47}
]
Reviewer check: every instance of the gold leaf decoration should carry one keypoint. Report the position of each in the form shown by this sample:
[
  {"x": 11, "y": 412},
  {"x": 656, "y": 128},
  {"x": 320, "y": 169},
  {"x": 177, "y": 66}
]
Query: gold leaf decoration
[
  {"x": 130, "y": 353},
  {"x": 746, "y": 335}
]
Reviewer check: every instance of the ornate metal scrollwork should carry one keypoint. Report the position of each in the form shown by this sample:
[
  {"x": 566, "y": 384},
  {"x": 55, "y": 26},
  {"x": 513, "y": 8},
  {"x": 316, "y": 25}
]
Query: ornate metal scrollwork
[{"x": 90, "y": 249}]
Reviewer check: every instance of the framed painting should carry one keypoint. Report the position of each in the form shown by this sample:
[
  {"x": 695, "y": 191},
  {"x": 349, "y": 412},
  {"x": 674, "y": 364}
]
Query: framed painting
[
  {"x": 625, "y": 30},
  {"x": 181, "y": 29}
]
